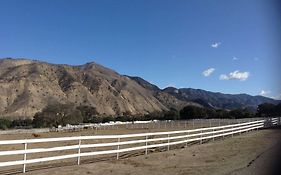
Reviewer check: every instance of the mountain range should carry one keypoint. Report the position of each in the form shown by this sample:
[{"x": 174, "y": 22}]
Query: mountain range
[{"x": 27, "y": 86}]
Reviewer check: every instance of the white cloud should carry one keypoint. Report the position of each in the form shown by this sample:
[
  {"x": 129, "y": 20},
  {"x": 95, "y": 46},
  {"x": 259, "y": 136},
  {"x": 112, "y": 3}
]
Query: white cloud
[
  {"x": 224, "y": 77},
  {"x": 208, "y": 72},
  {"x": 215, "y": 44},
  {"x": 264, "y": 93},
  {"x": 234, "y": 58},
  {"x": 236, "y": 75}
]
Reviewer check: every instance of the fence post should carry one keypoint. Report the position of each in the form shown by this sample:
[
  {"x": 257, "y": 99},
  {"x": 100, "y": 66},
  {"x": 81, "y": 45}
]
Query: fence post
[
  {"x": 240, "y": 129},
  {"x": 168, "y": 142},
  {"x": 186, "y": 139},
  {"x": 118, "y": 147},
  {"x": 24, "y": 157},
  {"x": 79, "y": 151},
  {"x": 201, "y": 137},
  {"x": 248, "y": 129},
  {"x": 146, "y": 145},
  {"x": 213, "y": 134}
]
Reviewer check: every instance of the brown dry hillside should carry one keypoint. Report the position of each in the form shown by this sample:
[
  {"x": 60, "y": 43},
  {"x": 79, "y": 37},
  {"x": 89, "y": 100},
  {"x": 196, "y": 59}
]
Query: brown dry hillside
[{"x": 27, "y": 86}]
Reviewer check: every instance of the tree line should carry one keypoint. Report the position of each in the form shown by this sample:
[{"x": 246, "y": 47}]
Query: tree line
[{"x": 62, "y": 114}]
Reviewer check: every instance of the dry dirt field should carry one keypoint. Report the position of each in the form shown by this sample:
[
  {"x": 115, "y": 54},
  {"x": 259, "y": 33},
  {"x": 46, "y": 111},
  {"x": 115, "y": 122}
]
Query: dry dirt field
[{"x": 255, "y": 152}]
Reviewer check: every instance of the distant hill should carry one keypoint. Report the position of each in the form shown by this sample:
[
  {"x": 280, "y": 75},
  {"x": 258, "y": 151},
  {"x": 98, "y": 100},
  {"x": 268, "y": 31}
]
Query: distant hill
[
  {"x": 27, "y": 86},
  {"x": 218, "y": 100}
]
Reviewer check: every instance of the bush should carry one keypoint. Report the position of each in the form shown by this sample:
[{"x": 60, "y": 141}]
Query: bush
[
  {"x": 22, "y": 123},
  {"x": 5, "y": 124}
]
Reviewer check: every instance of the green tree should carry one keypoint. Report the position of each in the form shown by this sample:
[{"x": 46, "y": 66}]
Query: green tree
[
  {"x": 57, "y": 114},
  {"x": 190, "y": 112},
  {"x": 266, "y": 110},
  {"x": 88, "y": 113},
  {"x": 172, "y": 114}
]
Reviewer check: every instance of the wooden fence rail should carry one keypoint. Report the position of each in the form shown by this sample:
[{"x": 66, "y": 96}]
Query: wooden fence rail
[{"x": 148, "y": 141}]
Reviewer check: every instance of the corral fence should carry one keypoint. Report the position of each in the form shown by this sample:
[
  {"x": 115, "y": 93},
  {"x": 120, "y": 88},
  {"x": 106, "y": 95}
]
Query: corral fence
[
  {"x": 86, "y": 146},
  {"x": 152, "y": 124}
]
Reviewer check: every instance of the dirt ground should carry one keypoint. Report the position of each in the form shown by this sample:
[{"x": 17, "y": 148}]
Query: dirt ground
[{"x": 250, "y": 153}]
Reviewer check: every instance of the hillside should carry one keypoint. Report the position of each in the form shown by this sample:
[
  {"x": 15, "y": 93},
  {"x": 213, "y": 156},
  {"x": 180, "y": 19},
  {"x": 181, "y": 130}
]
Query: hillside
[
  {"x": 27, "y": 86},
  {"x": 218, "y": 100}
]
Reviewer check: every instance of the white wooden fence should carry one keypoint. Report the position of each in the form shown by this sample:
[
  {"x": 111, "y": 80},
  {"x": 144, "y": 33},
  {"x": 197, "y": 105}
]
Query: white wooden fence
[{"x": 148, "y": 141}]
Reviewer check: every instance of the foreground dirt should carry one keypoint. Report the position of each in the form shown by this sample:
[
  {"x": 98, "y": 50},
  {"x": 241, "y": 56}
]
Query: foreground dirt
[{"x": 249, "y": 153}]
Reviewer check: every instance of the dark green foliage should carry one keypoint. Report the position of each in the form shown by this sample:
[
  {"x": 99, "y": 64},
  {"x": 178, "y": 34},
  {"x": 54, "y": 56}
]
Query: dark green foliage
[
  {"x": 21, "y": 123},
  {"x": 269, "y": 110},
  {"x": 240, "y": 113},
  {"x": 172, "y": 114},
  {"x": 89, "y": 114},
  {"x": 18, "y": 123},
  {"x": 190, "y": 112},
  {"x": 5, "y": 124},
  {"x": 220, "y": 113},
  {"x": 58, "y": 114},
  {"x": 124, "y": 118},
  {"x": 106, "y": 119}
]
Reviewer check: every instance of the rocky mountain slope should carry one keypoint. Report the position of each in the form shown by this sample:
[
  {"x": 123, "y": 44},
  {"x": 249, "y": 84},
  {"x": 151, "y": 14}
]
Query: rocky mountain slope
[{"x": 27, "y": 86}]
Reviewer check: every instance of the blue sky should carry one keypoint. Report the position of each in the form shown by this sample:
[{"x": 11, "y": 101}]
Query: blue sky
[{"x": 167, "y": 42}]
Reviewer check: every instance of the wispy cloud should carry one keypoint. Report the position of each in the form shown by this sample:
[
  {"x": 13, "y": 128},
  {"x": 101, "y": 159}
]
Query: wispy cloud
[
  {"x": 234, "y": 58},
  {"x": 208, "y": 72},
  {"x": 277, "y": 97},
  {"x": 267, "y": 93},
  {"x": 215, "y": 44},
  {"x": 236, "y": 75},
  {"x": 264, "y": 93}
]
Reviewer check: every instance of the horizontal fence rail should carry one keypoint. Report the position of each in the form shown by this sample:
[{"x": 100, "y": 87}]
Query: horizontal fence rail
[{"x": 147, "y": 141}]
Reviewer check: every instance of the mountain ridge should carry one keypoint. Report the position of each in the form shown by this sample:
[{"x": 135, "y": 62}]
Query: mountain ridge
[{"x": 27, "y": 86}]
